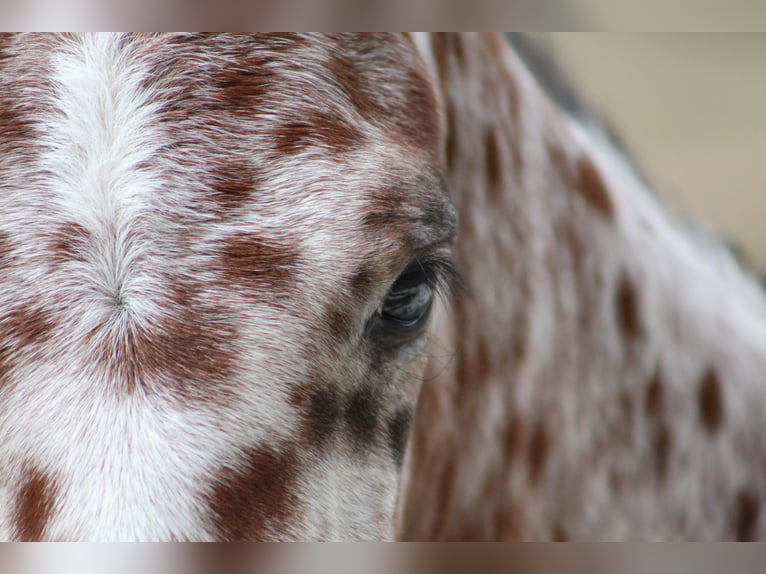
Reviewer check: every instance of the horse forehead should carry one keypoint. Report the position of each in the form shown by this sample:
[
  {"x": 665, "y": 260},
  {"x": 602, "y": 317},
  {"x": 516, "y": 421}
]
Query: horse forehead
[
  {"x": 282, "y": 127},
  {"x": 324, "y": 86}
]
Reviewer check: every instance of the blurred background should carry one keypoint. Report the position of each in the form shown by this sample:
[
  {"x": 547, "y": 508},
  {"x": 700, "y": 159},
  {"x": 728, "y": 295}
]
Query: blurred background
[{"x": 692, "y": 109}]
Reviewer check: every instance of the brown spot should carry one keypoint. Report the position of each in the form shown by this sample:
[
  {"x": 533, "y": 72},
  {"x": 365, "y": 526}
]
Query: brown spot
[
  {"x": 16, "y": 127},
  {"x": 5, "y": 250},
  {"x": 243, "y": 89},
  {"x": 34, "y": 324},
  {"x": 343, "y": 69},
  {"x": 316, "y": 128},
  {"x": 188, "y": 349},
  {"x": 560, "y": 533},
  {"x": 5, "y": 40},
  {"x": 627, "y": 308},
  {"x": 381, "y": 217},
  {"x": 25, "y": 325},
  {"x": 339, "y": 322},
  {"x": 473, "y": 363},
  {"x": 494, "y": 172},
  {"x": 451, "y": 138},
  {"x": 34, "y": 506},
  {"x": 711, "y": 401},
  {"x": 361, "y": 282},
  {"x": 584, "y": 179},
  {"x": 361, "y": 415},
  {"x": 23, "y": 90},
  {"x": 746, "y": 512},
  {"x": 415, "y": 114},
  {"x": 322, "y": 409},
  {"x": 255, "y": 499},
  {"x": 661, "y": 443},
  {"x": 70, "y": 242},
  {"x": 592, "y": 188},
  {"x": 403, "y": 102},
  {"x": 397, "y": 434},
  {"x": 626, "y": 409},
  {"x": 256, "y": 263},
  {"x": 233, "y": 184},
  {"x": 661, "y": 439},
  {"x": 654, "y": 399},
  {"x": 5, "y": 362},
  {"x": 388, "y": 208},
  {"x": 539, "y": 448},
  {"x": 515, "y": 439}
]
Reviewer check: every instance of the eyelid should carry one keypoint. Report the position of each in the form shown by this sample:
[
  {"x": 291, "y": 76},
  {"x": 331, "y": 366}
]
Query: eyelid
[{"x": 442, "y": 273}]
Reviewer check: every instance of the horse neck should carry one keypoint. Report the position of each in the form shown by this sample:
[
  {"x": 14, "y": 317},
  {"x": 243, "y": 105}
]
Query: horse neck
[{"x": 601, "y": 379}]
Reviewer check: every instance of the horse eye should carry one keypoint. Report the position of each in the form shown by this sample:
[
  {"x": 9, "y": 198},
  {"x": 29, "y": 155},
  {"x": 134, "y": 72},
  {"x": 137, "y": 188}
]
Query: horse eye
[{"x": 409, "y": 300}]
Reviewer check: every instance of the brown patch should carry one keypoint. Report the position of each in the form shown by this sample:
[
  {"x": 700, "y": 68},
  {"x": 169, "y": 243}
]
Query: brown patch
[
  {"x": 451, "y": 139},
  {"x": 589, "y": 183},
  {"x": 472, "y": 362},
  {"x": 322, "y": 411},
  {"x": 627, "y": 308},
  {"x": 22, "y": 104},
  {"x": 316, "y": 128},
  {"x": 362, "y": 414},
  {"x": 16, "y": 127},
  {"x": 661, "y": 439},
  {"x": 661, "y": 444},
  {"x": 654, "y": 399},
  {"x": 255, "y": 500},
  {"x": 515, "y": 439},
  {"x": 361, "y": 282},
  {"x": 626, "y": 409},
  {"x": 5, "y": 40},
  {"x": 388, "y": 210},
  {"x": 188, "y": 349},
  {"x": 69, "y": 242},
  {"x": 403, "y": 101},
  {"x": 381, "y": 217},
  {"x": 257, "y": 264},
  {"x": 5, "y": 249},
  {"x": 746, "y": 512},
  {"x": 243, "y": 89},
  {"x": 340, "y": 318},
  {"x": 415, "y": 115},
  {"x": 710, "y": 398},
  {"x": 25, "y": 324},
  {"x": 560, "y": 533},
  {"x": 339, "y": 323},
  {"x": 343, "y": 70},
  {"x": 539, "y": 447},
  {"x": 232, "y": 184},
  {"x": 34, "y": 324},
  {"x": 5, "y": 362},
  {"x": 397, "y": 434},
  {"x": 583, "y": 178},
  {"x": 34, "y": 506},
  {"x": 492, "y": 157}
]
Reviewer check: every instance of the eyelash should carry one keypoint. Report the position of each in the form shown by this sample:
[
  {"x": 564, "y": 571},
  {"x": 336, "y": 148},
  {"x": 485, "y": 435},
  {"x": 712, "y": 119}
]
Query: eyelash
[
  {"x": 407, "y": 307},
  {"x": 443, "y": 275}
]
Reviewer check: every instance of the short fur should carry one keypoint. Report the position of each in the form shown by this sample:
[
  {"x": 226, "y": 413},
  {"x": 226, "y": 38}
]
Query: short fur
[{"x": 197, "y": 233}]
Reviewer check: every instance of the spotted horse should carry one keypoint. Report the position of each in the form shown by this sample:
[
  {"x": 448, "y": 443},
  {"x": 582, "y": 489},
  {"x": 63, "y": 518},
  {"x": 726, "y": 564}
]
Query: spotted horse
[{"x": 236, "y": 302}]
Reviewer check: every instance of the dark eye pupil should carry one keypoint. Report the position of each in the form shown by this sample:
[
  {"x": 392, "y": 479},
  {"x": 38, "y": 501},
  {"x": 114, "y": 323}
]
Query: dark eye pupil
[{"x": 409, "y": 299}]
